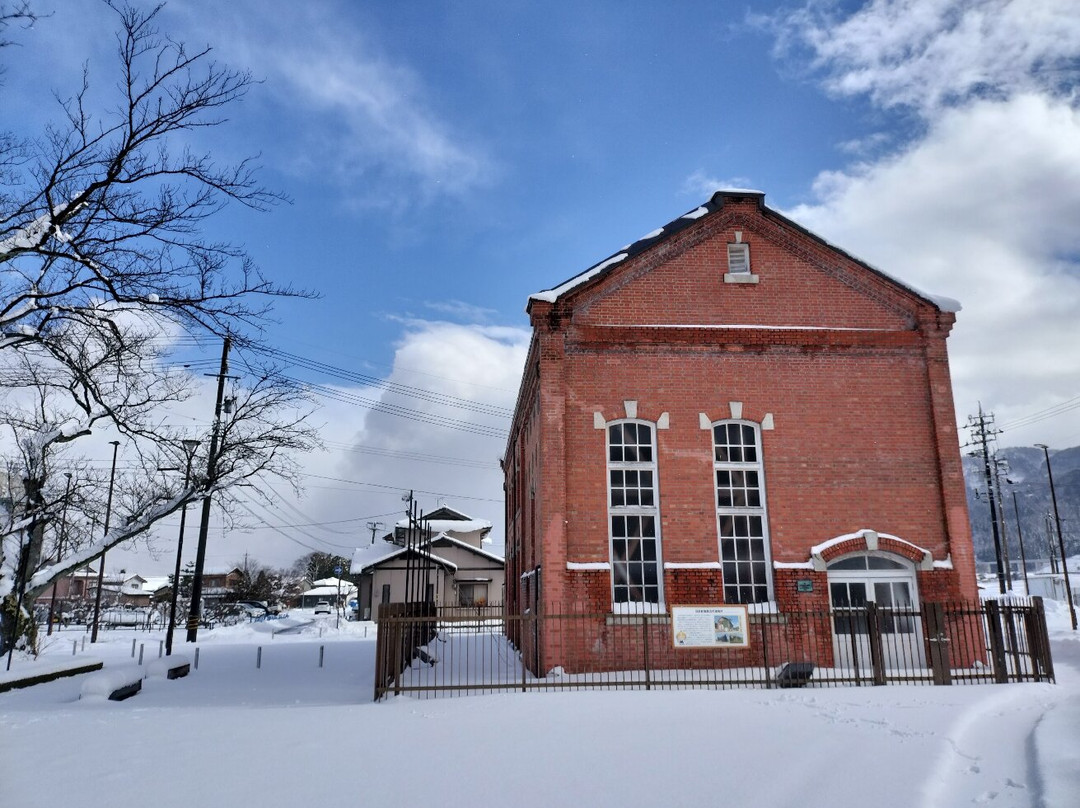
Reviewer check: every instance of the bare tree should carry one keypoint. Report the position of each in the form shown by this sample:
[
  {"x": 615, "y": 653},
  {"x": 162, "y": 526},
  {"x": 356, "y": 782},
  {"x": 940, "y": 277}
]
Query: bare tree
[
  {"x": 102, "y": 257},
  {"x": 18, "y": 14}
]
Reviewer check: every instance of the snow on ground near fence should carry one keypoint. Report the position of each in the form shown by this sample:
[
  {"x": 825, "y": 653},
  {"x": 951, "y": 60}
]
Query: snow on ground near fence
[{"x": 269, "y": 736}]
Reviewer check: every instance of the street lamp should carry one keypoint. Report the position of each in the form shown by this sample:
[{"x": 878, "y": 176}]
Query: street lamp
[
  {"x": 1061, "y": 539},
  {"x": 189, "y": 450},
  {"x": 101, "y": 571}
]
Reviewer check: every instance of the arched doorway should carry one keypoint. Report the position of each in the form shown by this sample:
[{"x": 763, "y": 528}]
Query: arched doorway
[{"x": 888, "y": 581}]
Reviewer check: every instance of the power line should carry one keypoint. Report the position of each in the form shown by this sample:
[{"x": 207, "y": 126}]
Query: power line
[
  {"x": 398, "y": 488},
  {"x": 1042, "y": 415},
  {"x": 409, "y": 391}
]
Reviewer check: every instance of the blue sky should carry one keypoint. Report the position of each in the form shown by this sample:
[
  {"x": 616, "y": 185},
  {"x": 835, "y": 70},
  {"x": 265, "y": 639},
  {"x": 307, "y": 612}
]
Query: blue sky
[{"x": 445, "y": 160}]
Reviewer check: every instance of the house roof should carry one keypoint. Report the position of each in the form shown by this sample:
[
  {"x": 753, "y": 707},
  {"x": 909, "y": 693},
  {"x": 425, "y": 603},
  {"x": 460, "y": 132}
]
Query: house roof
[
  {"x": 715, "y": 203},
  {"x": 364, "y": 560},
  {"x": 456, "y": 525},
  {"x": 329, "y": 591},
  {"x": 331, "y": 581},
  {"x": 442, "y": 538},
  {"x": 445, "y": 518}
]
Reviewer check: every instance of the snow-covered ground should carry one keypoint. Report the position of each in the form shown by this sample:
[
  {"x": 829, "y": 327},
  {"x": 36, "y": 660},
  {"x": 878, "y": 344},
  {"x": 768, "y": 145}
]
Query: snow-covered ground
[{"x": 293, "y": 733}]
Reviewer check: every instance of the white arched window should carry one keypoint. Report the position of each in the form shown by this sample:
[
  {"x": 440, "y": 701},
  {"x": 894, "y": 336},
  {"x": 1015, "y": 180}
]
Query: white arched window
[
  {"x": 634, "y": 514},
  {"x": 742, "y": 526}
]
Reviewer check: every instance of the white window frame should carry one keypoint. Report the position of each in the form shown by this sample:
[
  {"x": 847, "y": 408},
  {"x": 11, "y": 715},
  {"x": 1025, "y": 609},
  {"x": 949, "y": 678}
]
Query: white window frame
[
  {"x": 738, "y": 258},
  {"x": 903, "y": 571},
  {"x": 736, "y": 512},
  {"x": 635, "y": 511},
  {"x": 739, "y": 269}
]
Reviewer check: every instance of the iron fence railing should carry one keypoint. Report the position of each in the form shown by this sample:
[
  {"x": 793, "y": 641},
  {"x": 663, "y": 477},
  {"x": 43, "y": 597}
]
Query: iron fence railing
[{"x": 426, "y": 650}]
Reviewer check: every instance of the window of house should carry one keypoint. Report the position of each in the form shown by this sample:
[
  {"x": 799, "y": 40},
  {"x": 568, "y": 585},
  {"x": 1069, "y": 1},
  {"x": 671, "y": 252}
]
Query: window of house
[
  {"x": 634, "y": 514},
  {"x": 738, "y": 259},
  {"x": 742, "y": 526},
  {"x": 474, "y": 594},
  {"x": 386, "y": 593}
]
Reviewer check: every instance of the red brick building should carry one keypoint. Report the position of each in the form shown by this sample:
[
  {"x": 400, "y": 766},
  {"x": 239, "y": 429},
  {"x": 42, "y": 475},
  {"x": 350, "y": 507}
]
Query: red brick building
[{"x": 733, "y": 411}]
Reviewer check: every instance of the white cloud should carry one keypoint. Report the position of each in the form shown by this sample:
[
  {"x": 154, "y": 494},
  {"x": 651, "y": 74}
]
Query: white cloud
[
  {"x": 461, "y": 310},
  {"x": 368, "y": 121},
  {"x": 372, "y": 456},
  {"x": 983, "y": 209},
  {"x": 926, "y": 54},
  {"x": 982, "y": 204},
  {"x": 701, "y": 185}
]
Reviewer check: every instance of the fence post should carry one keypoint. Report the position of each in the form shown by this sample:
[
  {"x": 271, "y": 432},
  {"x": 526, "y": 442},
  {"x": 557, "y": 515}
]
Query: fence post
[
  {"x": 854, "y": 642},
  {"x": 380, "y": 662},
  {"x": 645, "y": 648},
  {"x": 763, "y": 622},
  {"x": 937, "y": 641},
  {"x": 997, "y": 642},
  {"x": 524, "y": 666},
  {"x": 877, "y": 658},
  {"x": 258, "y": 658},
  {"x": 1008, "y": 612},
  {"x": 322, "y": 649},
  {"x": 1043, "y": 662}
]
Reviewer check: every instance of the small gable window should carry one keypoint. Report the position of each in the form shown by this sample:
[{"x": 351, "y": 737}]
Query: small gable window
[
  {"x": 738, "y": 259},
  {"x": 738, "y": 263}
]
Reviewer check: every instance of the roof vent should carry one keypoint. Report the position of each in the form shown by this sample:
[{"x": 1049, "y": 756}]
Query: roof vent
[{"x": 738, "y": 259}]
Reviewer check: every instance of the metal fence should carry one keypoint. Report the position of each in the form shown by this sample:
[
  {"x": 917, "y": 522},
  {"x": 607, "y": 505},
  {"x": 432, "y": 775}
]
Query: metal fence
[{"x": 425, "y": 650}]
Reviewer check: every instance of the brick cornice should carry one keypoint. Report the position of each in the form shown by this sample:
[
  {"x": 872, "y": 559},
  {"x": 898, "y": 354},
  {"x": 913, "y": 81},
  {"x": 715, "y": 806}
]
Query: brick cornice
[{"x": 740, "y": 338}]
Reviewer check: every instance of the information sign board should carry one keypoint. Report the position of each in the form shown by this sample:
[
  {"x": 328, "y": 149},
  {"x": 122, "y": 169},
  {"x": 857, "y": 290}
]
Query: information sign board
[{"x": 709, "y": 627}]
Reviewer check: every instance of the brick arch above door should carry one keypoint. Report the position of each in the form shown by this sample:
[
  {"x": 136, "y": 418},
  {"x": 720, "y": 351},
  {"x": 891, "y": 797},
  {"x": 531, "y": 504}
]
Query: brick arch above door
[{"x": 868, "y": 541}]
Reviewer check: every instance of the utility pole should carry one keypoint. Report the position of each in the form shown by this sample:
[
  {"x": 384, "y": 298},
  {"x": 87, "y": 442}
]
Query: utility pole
[
  {"x": 1061, "y": 538},
  {"x": 1001, "y": 522},
  {"x": 374, "y": 527},
  {"x": 983, "y": 432},
  {"x": 195, "y": 613},
  {"x": 1048, "y": 521},
  {"x": 1020, "y": 536},
  {"x": 101, "y": 560},
  {"x": 190, "y": 446},
  {"x": 59, "y": 549}
]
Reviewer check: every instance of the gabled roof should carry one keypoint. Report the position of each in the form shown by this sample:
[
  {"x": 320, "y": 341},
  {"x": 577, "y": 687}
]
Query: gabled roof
[
  {"x": 446, "y": 512},
  {"x": 364, "y": 560},
  {"x": 715, "y": 203},
  {"x": 443, "y": 539}
]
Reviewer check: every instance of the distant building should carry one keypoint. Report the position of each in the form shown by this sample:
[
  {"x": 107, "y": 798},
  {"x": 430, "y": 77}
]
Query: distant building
[{"x": 458, "y": 571}]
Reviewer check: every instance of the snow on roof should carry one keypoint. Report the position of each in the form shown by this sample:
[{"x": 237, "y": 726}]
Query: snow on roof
[
  {"x": 867, "y": 533},
  {"x": 329, "y": 591},
  {"x": 455, "y": 525},
  {"x": 371, "y": 554},
  {"x": 946, "y": 304},
  {"x": 330, "y": 582},
  {"x": 365, "y": 558}
]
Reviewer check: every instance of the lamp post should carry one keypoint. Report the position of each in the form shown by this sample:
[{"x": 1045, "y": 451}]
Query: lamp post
[
  {"x": 101, "y": 570},
  {"x": 189, "y": 450},
  {"x": 59, "y": 550},
  {"x": 1061, "y": 539}
]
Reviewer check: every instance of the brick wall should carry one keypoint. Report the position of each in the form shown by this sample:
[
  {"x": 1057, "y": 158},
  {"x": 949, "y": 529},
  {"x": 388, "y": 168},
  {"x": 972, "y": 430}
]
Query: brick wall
[{"x": 851, "y": 368}]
